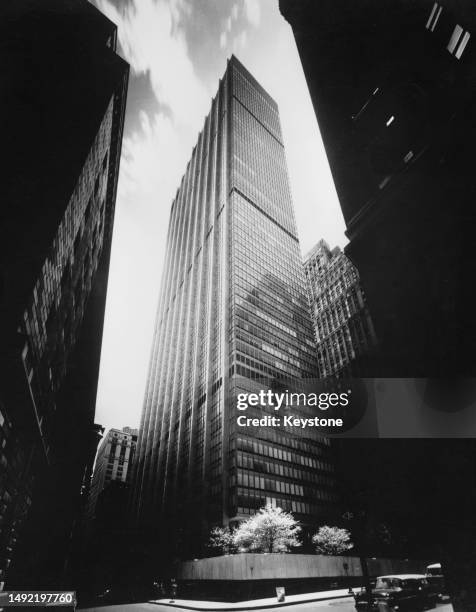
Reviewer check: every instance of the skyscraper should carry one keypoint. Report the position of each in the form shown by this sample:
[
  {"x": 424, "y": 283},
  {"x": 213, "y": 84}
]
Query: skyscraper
[
  {"x": 233, "y": 309},
  {"x": 344, "y": 331},
  {"x": 65, "y": 92}
]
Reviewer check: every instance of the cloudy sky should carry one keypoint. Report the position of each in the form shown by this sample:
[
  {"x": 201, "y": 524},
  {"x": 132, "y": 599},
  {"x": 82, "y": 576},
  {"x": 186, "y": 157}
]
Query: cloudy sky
[{"x": 177, "y": 50}]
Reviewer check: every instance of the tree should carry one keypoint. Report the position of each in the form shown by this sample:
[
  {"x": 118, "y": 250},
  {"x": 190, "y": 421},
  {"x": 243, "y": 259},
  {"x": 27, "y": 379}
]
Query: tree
[
  {"x": 270, "y": 530},
  {"x": 222, "y": 538},
  {"x": 332, "y": 540}
]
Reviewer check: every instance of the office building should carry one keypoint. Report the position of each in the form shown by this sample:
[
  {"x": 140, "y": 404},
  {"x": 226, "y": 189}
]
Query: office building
[
  {"x": 65, "y": 92},
  {"x": 114, "y": 462},
  {"x": 396, "y": 113},
  {"x": 345, "y": 336},
  {"x": 232, "y": 316},
  {"x": 393, "y": 87}
]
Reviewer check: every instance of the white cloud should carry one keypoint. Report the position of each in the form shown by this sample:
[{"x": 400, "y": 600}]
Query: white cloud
[
  {"x": 253, "y": 12},
  {"x": 239, "y": 42},
  {"x": 222, "y": 40},
  {"x": 152, "y": 163},
  {"x": 152, "y": 41},
  {"x": 178, "y": 8}
]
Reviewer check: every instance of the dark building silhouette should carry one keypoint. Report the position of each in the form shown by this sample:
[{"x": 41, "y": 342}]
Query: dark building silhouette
[
  {"x": 103, "y": 545},
  {"x": 345, "y": 335},
  {"x": 88, "y": 475},
  {"x": 233, "y": 311},
  {"x": 63, "y": 101},
  {"x": 109, "y": 545},
  {"x": 393, "y": 86}
]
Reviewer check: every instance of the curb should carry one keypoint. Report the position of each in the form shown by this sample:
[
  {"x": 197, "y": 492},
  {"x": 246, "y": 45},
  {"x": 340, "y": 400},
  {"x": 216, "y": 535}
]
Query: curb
[{"x": 236, "y": 609}]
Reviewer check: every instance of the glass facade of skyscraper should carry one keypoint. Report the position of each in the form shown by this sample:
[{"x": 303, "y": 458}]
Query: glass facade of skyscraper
[{"x": 233, "y": 313}]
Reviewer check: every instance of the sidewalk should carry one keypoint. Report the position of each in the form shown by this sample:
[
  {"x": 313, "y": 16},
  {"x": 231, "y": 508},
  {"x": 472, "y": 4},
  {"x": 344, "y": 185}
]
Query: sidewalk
[{"x": 271, "y": 602}]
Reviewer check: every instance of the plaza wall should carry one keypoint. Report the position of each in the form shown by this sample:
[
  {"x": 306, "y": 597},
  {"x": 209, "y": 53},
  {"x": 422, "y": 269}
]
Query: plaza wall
[{"x": 249, "y": 566}]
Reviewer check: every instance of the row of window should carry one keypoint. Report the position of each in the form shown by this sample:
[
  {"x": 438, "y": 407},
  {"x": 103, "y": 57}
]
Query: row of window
[
  {"x": 267, "y": 450},
  {"x": 251, "y": 462},
  {"x": 248, "y": 501}
]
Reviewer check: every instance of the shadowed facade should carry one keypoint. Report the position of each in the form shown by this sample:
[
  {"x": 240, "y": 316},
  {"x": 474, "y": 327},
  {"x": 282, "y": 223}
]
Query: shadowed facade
[{"x": 64, "y": 99}]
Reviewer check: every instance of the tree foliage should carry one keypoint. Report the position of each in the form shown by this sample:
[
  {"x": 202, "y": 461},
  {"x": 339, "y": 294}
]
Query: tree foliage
[
  {"x": 222, "y": 538},
  {"x": 332, "y": 540},
  {"x": 270, "y": 530}
]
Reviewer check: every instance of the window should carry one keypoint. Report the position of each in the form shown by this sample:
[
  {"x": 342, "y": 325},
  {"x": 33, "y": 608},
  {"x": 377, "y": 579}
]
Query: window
[
  {"x": 434, "y": 16},
  {"x": 462, "y": 45},
  {"x": 77, "y": 242},
  {"x": 454, "y": 38},
  {"x": 65, "y": 278},
  {"x": 458, "y": 41},
  {"x": 88, "y": 211}
]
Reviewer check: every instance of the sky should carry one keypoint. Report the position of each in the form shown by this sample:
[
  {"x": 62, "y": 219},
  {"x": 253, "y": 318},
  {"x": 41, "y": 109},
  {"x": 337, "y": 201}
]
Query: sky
[{"x": 177, "y": 51}]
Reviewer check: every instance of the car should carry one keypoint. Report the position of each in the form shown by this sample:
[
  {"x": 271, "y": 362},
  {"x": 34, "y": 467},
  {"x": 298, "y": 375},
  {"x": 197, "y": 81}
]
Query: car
[
  {"x": 399, "y": 592},
  {"x": 436, "y": 579}
]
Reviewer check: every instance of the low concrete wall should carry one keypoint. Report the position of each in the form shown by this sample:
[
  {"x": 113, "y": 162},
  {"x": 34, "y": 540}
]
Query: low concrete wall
[{"x": 249, "y": 566}]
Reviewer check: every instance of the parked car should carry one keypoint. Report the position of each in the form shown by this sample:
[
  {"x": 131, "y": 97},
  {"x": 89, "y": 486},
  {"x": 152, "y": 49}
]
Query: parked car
[
  {"x": 399, "y": 592},
  {"x": 436, "y": 579}
]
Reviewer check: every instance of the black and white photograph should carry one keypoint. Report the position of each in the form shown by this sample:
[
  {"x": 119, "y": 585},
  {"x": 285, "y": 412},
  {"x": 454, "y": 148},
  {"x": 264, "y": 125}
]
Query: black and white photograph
[{"x": 237, "y": 328}]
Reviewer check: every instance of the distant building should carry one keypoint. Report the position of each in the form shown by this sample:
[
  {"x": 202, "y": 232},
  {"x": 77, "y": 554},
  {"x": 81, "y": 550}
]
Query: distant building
[
  {"x": 64, "y": 96},
  {"x": 345, "y": 334},
  {"x": 113, "y": 463},
  {"x": 130, "y": 430}
]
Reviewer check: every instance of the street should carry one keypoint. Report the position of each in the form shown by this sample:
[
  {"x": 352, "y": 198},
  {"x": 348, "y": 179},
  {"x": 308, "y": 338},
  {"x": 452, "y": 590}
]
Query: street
[{"x": 336, "y": 605}]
